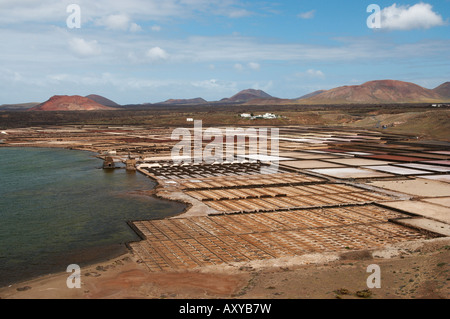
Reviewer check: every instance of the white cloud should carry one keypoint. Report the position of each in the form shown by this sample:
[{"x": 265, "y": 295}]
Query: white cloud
[
  {"x": 208, "y": 84},
  {"x": 156, "y": 28},
  {"x": 254, "y": 66},
  {"x": 58, "y": 78},
  {"x": 157, "y": 54},
  {"x": 19, "y": 11},
  {"x": 312, "y": 73},
  {"x": 307, "y": 15},
  {"x": 217, "y": 85},
  {"x": 238, "y": 67},
  {"x": 418, "y": 16},
  {"x": 115, "y": 22},
  {"x": 315, "y": 73},
  {"x": 135, "y": 27},
  {"x": 44, "y": 48},
  {"x": 118, "y": 22},
  {"x": 239, "y": 13},
  {"x": 247, "y": 49},
  {"x": 84, "y": 48},
  {"x": 32, "y": 52}
]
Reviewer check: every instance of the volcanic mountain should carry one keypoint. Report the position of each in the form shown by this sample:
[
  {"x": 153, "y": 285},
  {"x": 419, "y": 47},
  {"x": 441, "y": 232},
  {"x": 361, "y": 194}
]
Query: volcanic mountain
[
  {"x": 307, "y": 96},
  {"x": 384, "y": 91},
  {"x": 247, "y": 95},
  {"x": 69, "y": 103},
  {"x": 195, "y": 101},
  {"x": 443, "y": 90},
  {"x": 102, "y": 100}
]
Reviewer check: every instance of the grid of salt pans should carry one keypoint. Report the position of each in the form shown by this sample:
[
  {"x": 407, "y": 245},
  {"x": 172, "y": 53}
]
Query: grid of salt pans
[
  {"x": 285, "y": 197},
  {"x": 187, "y": 243}
]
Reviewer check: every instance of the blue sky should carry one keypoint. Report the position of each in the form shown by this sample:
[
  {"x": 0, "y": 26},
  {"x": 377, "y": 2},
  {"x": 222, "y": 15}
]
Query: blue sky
[{"x": 139, "y": 51}]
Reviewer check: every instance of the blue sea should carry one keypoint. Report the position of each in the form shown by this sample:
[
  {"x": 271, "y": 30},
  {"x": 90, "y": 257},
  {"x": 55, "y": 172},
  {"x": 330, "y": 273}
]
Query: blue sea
[{"x": 58, "y": 207}]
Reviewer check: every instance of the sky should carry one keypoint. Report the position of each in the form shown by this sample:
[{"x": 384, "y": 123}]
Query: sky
[{"x": 148, "y": 51}]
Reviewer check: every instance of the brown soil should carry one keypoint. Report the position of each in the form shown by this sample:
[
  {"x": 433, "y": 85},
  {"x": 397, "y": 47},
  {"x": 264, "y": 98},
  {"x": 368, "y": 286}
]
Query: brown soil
[{"x": 410, "y": 270}]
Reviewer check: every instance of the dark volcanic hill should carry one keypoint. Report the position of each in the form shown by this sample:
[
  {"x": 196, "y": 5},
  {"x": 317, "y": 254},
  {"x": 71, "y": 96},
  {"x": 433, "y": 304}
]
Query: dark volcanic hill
[
  {"x": 443, "y": 90},
  {"x": 102, "y": 100},
  {"x": 195, "y": 101},
  {"x": 69, "y": 103},
  {"x": 247, "y": 95},
  {"x": 384, "y": 91}
]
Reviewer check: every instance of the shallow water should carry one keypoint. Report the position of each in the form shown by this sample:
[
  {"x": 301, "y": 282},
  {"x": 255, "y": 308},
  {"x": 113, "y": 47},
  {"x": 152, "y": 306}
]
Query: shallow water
[{"x": 58, "y": 207}]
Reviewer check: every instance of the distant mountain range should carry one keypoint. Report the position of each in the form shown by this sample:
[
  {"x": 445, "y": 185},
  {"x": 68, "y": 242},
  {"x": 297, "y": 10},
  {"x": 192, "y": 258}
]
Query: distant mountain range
[
  {"x": 373, "y": 92},
  {"x": 18, "y": 107},
  {"x": 195, "y": 101}
]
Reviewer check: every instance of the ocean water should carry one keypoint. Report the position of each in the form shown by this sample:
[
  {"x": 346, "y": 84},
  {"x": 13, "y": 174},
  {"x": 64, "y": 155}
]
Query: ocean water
[{"x": 58, "y": 207}]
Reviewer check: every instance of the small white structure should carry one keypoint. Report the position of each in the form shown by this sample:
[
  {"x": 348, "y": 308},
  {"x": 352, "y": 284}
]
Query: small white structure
[
  {"x": 246, "y": 115},
  {"x": 189, "y": 119},
  {"x": 4, "y": 133},
  {"x": 269, "y": 116}
]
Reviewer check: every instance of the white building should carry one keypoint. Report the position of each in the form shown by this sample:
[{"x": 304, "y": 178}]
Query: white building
[
  {"x": 269, "y": 116},
  {"x": 246, "y": 115}
]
